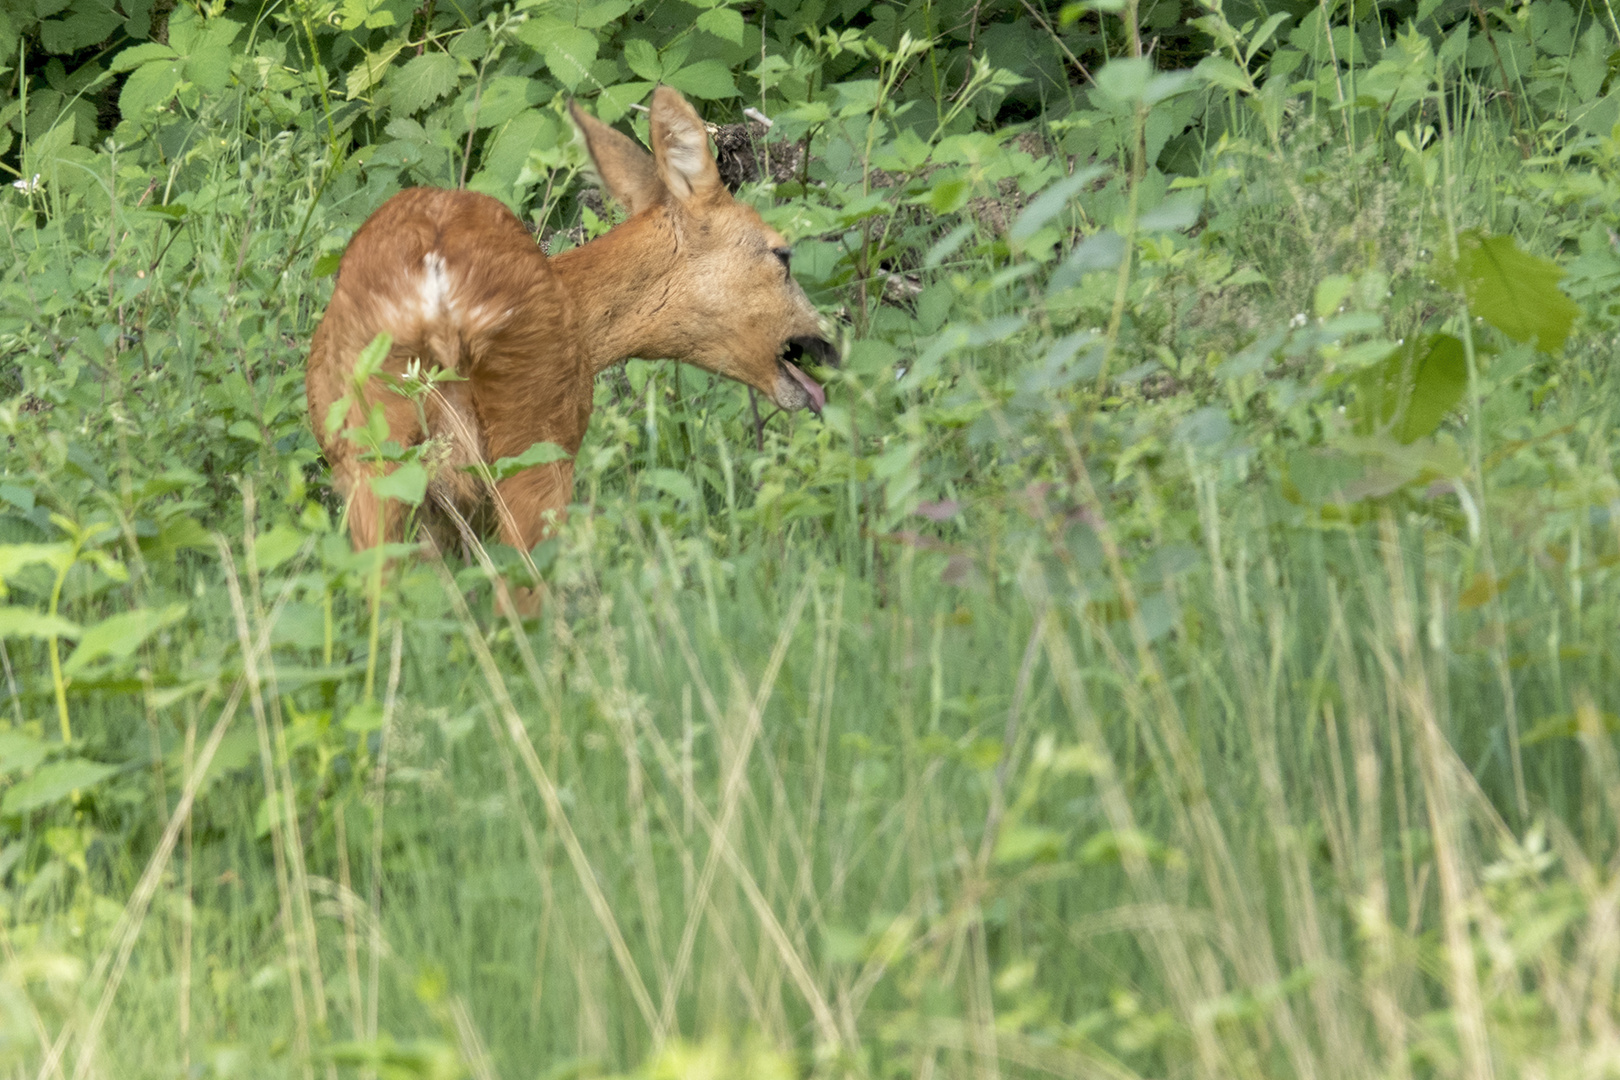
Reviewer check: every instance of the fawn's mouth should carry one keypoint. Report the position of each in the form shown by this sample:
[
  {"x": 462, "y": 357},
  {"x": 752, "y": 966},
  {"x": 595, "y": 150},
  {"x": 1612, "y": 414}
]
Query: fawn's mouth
[{"x": 795, "y": 389}]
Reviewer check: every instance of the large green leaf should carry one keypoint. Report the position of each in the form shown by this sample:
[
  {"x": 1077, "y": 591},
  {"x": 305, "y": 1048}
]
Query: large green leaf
[
  {"x": 1514, "y": 291},
  {"x": 21, "y": 622},
  {"x": 709, "y": 79},
  {"x": 408, "y": 483},
  {"x": 724, "y": 23},
  {"x": 424, "y": 80},
  {"x": 150, "y": 86},
  {"x": 541, "y": 453},
  {"x": 1413, "y": 389},
  {"x": 119, "y": 636},
  {"x": 567, "y": 50}
]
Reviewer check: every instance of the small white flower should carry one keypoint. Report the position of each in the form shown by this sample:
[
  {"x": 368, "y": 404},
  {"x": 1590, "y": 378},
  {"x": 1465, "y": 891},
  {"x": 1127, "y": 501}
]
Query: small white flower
[
  {"x": 27, "y": 187},
  {"x": 1298, "y": 321}
]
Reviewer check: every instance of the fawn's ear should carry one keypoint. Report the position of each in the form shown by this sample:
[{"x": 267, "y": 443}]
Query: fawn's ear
[
  {"x": 681, "y": 148},
  {"x": 628, "y": 171}
]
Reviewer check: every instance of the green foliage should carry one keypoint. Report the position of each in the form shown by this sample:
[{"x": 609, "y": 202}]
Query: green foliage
[{"x": 1220, "y": 465}]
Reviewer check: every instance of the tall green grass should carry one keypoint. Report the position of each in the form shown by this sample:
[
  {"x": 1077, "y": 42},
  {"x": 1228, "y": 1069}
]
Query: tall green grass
[{"x": 1110, "y": 694}]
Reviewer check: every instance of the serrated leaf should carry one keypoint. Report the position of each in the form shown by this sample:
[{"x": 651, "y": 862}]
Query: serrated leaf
[
  {"x": 134, "y": 57},
  {"x": 724, "y": 23},
  {"x": 149, "y": 86},
  {"x": 615, "y": 101},
  {"x": 119, "y": 636},
  {"x": 424, "y": 80},
  {"x": 600, "y": 14},
  {"x": 53, "y": 783},
  {"x": 569, "y": 53},
  {"x": 408, "y": 483},
  {"x": 643, "y": 59},
  {"x": 209, "y": 67},
  {"x": 503, "y": 98},
  {"x": 1514, "y": 291},
  {"x": 541, "y": 453},
  {"x": 707, "y": 79},
  {"x": 371, "y": 69}
]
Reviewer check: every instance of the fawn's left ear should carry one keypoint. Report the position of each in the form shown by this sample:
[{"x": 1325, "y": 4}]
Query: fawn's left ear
[
  {"x": 628, "y": 171},
  {"x": 681, "y": 148}
]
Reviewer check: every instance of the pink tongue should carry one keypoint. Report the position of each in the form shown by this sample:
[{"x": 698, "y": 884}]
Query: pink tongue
[{"x": 818, "y": 396}]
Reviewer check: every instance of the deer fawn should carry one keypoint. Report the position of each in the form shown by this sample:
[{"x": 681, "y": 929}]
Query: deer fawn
[{"x": 459, "y": 284}]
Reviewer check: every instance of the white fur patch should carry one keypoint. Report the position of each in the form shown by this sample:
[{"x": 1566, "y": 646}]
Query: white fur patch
[{"x": 435, "y": 286}]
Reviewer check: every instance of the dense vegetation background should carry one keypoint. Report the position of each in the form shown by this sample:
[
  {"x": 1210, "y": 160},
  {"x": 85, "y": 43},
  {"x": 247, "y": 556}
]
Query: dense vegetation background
[{"x": 1186, "y": 647}]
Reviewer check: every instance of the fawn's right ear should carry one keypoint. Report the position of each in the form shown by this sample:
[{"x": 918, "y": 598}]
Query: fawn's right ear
[{"x": 628, "y": 171}]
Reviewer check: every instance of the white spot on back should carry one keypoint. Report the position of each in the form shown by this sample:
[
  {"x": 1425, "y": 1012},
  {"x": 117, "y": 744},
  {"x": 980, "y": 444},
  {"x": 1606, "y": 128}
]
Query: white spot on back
[{"x": 435, "y": 287}]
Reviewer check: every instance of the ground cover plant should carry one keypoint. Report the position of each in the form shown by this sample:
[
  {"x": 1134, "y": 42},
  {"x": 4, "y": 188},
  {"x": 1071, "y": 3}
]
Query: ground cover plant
[{"x": 1186, "y": 646}]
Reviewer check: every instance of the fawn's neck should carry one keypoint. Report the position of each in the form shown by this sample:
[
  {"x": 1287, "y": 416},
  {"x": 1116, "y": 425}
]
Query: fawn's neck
[{"x": 619, "y": 283}]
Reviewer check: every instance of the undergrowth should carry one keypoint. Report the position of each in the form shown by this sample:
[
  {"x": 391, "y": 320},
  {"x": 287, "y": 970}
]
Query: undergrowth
[{"x": 1184, "y": 647}]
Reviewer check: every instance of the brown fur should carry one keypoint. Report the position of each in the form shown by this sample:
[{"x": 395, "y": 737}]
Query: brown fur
[{"x": 459, "y": 283}]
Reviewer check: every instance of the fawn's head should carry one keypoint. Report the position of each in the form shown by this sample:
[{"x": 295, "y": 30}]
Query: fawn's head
[{"x": 727, "y": 301}]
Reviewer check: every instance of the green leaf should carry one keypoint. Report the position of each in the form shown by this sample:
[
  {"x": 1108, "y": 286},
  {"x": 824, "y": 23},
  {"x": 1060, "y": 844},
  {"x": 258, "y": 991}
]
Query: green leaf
[
  {"x": 13, "y": 557},
  {"x": 20, "y": 752},
  {"x": 643, "y": 59},
  {"x": 541, "y": 453},
  {"x": 88, "y": 22},
  {"x": 148, "y": 87},
  {"x": 371, "y": 69},
  {"x": 1178, "y": 211},
  {"x": 370, "y": 359},
  {"x": 246, "y": 430},
  {"x": 21, "y": 622},
  {"x": 53, "y": 783},
  {"x": 1224, "y": 74},
  {"x": 326, "y": 265},
  {"x": 672, "y": 483},
  {"x": 503, "y": 98},
  {"x": 1514, "y": 291},
  {"x": 569, "y": 53},
  {"x": 271, "y": 549},
  {"x": 724, "y": 23},
  {"x": 948, "y": 196},
  {"x": 615, "y": 101},
  {"x": 424, "y": 80},
  {"x": 119, "y": 636},
  {"x": 1050, "y": 203},
  {"x": 408, "y": 483},
  {"x": 132, "y": 58},
  {"x": 600, "y": 14},
  {"x": 209, "y": 67},
  {"x": 362, "y": 717},
  {"x": 1413, "y": 389},
  {"x": 707, "y": 79}
]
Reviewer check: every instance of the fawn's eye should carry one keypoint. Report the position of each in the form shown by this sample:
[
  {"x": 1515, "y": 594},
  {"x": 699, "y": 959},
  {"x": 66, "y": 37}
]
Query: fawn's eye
[{"x": 783, "y": 256}]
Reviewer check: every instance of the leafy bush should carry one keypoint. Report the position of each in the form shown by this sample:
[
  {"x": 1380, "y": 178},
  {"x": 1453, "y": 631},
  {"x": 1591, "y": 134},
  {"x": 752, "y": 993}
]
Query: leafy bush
[{"x": 1183, "y": 647}]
